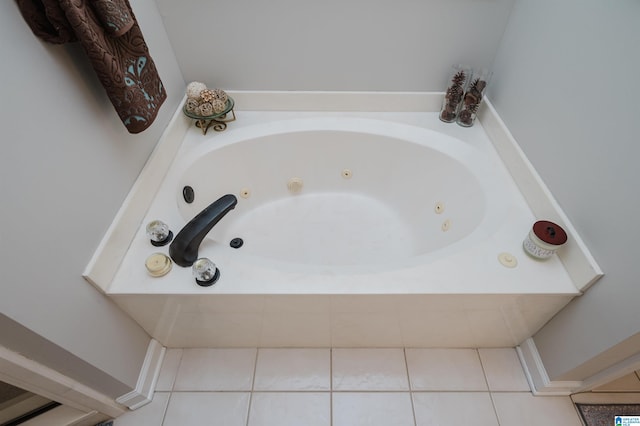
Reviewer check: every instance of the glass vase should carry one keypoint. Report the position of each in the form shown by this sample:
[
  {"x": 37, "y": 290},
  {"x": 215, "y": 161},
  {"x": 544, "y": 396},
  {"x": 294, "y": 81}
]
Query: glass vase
[
  {"x": 473, "y": 98},
  {"x": 460, "y": 76}
]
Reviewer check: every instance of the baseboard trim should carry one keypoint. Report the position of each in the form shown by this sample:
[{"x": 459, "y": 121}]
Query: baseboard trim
[
  {"x": 537, "y": 376},
  {"x": 613, "y": 372},
  {"x": 606, "y": 398},
  {"x": 143, "y": 393}
]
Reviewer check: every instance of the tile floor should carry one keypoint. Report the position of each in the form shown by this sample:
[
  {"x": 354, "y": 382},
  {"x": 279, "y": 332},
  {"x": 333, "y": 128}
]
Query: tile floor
[{"x": 347, "y": 387}]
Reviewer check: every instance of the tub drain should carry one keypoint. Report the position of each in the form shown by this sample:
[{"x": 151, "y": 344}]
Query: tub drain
[
  {"x": 236, "y": 243},
  {"x": 188, "y": 194}
]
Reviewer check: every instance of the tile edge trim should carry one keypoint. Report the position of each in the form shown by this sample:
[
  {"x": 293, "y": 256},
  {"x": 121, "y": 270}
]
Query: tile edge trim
[
  {"x": 148, "y": 378},
  {"x": 536, "y": 373}
]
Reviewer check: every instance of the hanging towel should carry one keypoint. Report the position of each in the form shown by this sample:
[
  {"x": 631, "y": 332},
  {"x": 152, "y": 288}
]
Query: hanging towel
[{"x": 111, "y": 37}]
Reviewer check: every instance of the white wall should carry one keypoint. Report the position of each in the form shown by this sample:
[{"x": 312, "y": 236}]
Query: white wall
[
  {"x": 66, "y": 166},
  {"x": 377, "y": 45},
  {"x": 566, "y": 85}
]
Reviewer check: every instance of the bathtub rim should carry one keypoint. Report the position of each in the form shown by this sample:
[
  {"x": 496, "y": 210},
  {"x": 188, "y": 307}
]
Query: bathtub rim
[{"x": 103, "y": 265}]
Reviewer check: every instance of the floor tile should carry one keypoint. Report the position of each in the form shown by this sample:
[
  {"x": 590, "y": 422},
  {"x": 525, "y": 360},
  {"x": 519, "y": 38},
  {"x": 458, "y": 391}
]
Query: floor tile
[
  {"x": 169, "y": 369},
  {"x": 290, "y": 409},
  {"x": 369, "y": 369},
  {"x": 207, "y": 408},
  {"x": 216, "y": 370},
  {"x": 293, "y": 370},
  {"x": 524, "y": 409},
  {"x": 148, "y": 415},
  {"x": 503, "y": 370},
  {"x": 460, "y": 408},
  {"x": 445, "y": 370},
  {"x": 372, "y": 409}
]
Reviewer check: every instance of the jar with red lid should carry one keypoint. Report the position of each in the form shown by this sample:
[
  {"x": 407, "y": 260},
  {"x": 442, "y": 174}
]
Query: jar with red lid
[{"x": 544, "y": 239}]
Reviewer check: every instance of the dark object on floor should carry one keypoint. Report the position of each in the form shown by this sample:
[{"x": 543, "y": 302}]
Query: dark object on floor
[{"x": 604, "y": 414}]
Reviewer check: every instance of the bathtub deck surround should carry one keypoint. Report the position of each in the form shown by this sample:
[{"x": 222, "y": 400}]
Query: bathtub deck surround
[{"x": 376, "y": 284}]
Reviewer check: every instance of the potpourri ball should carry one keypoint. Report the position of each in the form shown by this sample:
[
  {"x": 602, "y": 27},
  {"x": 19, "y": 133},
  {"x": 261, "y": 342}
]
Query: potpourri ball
[
  {"x": 192, "y": 106},
  {"x": 207, "y": 95},
  {"x": 220, "y": 94},
  {"x": 194, "y": 88},
  {"x": 206, "y": 109},
  {"x": 218, "y": 105}
]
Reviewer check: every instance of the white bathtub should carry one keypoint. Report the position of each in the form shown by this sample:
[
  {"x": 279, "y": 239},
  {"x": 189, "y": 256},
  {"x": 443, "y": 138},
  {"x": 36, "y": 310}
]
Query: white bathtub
[
  {"x": 392, "y": 239},
  {"x": 375, "y": 195}
]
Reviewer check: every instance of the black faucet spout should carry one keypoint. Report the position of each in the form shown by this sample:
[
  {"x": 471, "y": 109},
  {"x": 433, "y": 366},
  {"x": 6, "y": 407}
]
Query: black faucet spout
[{"x": 184, "y": 248}]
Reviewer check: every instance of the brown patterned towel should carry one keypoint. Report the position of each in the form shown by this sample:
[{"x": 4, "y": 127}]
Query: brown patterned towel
[{"x": 111, "y": 37}]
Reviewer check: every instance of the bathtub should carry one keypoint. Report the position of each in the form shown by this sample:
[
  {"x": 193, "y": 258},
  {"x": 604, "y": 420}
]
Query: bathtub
[
  {"x": 358, "y": 229},
  {"x": 368, "y": 195}
]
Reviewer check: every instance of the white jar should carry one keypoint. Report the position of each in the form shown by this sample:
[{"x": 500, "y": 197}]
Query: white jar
[{"x": 544, "y": 239}]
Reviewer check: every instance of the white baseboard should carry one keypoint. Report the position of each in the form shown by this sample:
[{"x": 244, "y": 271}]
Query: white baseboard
[
  {"x": 537, "y": 376},
  {"x": 143, "y": 393},
  {"x": 606, "y": 398},
  {"x": 613, "y": 372}
]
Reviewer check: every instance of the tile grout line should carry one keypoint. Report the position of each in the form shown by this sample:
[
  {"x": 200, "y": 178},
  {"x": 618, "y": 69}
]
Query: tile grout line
[
  {"x": 166, "y": 408},
  {"x": 173, "y": 384},
  {"x": 351, "y": 391},
  {"x": 175, "y": 376},
  {"x": 253, "y": 384},
  {"x": 406, "y": 367},
  {"x": 484, "y": 373},
  {"x": 331, "y": 386}
]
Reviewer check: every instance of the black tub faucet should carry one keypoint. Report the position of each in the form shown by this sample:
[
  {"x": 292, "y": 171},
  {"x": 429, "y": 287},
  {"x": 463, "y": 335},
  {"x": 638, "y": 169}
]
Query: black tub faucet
[{"x": 184, "y": 248}]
